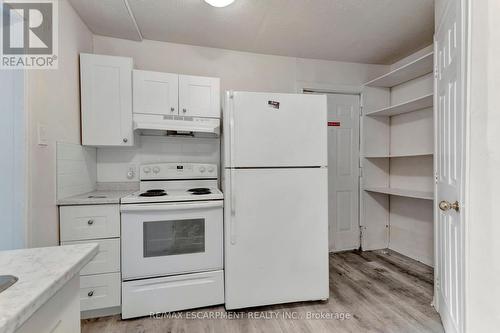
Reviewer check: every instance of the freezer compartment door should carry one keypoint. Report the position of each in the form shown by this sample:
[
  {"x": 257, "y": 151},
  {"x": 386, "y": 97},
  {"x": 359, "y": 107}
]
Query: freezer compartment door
[
  {"x": 274, "y": 130},
  {"x": 276, "y": 236}
]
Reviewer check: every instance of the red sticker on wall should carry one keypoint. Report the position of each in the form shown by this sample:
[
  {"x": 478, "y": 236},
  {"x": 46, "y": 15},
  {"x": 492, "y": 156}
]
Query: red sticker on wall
[{"x": 334, "y": 123}]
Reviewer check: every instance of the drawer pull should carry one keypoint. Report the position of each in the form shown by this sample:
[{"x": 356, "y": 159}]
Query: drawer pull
[
  {"x": 91, "y": 293},
  {"x": 90, "y": 222}
]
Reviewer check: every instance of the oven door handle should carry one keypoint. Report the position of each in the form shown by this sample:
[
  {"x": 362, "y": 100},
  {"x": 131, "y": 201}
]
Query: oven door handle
[{"x": 168, "y": 207}]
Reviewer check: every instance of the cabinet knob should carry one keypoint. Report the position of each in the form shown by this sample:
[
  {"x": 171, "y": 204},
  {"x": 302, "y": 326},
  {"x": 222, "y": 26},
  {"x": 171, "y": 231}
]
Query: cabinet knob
[
  {"x": 184, "y": 110},
  {"x": 91, "y": 293},
  {"x": 172, "y": 109},
  {"x": 125, "y": 140},
  {"x": 90, "y": 222}
]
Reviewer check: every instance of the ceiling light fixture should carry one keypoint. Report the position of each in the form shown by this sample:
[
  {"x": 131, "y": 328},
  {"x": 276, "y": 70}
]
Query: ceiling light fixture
[{"x": 219, "y": 3}]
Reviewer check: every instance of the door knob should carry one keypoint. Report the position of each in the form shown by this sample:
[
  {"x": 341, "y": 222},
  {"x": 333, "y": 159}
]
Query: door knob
[{"x": 445, "y": 206}]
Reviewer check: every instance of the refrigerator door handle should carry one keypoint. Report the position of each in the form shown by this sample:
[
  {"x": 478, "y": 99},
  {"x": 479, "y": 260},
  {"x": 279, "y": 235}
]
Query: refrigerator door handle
[{"x": 232, "y": 231}]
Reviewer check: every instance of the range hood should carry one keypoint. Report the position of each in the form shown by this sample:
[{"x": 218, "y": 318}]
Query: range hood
[{"x": 175, "y": 124}]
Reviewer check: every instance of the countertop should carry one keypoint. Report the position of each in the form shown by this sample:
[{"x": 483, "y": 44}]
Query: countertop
[
  {"x": 94, "y": 198},
  {"x": 42, "y": 272}
]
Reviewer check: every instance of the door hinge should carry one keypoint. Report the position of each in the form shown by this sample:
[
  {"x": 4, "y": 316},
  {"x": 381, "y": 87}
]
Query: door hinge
[
  {"x": 436, "y": 72},
  {"x": 360, "y": 172}
]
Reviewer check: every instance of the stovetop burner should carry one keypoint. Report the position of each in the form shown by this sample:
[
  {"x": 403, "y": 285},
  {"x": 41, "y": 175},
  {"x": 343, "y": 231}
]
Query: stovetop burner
[
  {"x": 153, "y": 193},
  {"x": 200, "y": 191}
]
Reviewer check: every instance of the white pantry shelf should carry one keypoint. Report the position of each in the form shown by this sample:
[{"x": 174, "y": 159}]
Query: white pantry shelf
[
  {"x": 420, "y": 103},
  {"x": 402, "y": 192},
  {"x": 399, "y": 155},
  {"x": 419, "y": 67}
]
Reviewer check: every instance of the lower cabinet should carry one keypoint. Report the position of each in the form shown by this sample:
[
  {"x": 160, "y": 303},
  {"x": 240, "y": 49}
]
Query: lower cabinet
[
  {"x": 100, "y": 279},
  {"x": 61, "y": 313},
  {"x": 107, "y": 259},
  {"x": 100, "y": 291}
]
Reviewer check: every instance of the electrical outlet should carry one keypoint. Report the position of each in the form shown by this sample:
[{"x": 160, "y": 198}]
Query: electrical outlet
[{"x": 131, "y": 171}]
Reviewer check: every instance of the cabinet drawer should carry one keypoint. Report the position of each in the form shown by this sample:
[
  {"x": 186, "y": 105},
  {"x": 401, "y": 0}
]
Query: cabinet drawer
[
  {"x": 107, "y": 259},
  {"x": 172, "y": 293},
  {"x": 99, "y": 291},
  {"x": 89, "y": 222}
]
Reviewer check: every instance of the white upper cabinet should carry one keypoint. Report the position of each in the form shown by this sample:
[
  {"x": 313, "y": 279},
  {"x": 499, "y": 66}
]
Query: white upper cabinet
[
  {"x": 106, "y": 100},
  {"x": 156, "y": 93},
  {"x": 199, "y": 96}
]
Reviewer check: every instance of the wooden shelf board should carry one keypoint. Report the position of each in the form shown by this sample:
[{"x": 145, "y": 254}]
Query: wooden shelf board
[
  {"x": 419, "y": 67},
  {"x": 402, "y": 192},
  {"x": 399, "y": 155},
  {"x": 420, "y": 103}
]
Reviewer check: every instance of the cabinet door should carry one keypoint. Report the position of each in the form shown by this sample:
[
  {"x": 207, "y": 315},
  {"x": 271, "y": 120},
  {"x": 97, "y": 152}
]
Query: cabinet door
[
  {"x": 106, "y": 93},
  {"x": 156, "y": 93},
  {"x": 199, "y": 96}
]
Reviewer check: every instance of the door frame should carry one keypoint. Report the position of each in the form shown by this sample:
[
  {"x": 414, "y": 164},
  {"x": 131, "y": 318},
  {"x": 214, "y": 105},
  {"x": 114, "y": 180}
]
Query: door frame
[{"x": 319, "y": 88}]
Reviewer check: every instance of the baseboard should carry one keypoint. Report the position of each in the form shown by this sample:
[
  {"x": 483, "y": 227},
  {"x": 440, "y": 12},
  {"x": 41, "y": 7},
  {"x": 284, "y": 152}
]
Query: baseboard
[{"x": 101, "y": 312}]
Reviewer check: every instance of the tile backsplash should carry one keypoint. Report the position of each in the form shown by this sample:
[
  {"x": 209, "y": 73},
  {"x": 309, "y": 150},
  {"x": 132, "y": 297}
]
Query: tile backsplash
[
  {"x": 113, "y": 164},
  {"x": 76, "y": 169}
]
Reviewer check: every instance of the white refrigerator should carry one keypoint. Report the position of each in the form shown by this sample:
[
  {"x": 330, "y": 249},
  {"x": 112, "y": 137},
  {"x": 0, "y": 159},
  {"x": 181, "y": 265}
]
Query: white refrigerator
[{"x": 276, "y": 198}]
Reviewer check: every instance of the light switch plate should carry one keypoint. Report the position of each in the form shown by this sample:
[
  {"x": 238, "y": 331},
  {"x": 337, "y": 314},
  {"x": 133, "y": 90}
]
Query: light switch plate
[{"x": 42, "y": 135}]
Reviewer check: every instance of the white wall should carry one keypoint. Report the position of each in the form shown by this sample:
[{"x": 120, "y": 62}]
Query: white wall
[
  {"x": 482, "y": 214},
  {"x": 53, "y": 99},
  {"x": 12, "y": 163},
  {"x": 237, "y": 70}
]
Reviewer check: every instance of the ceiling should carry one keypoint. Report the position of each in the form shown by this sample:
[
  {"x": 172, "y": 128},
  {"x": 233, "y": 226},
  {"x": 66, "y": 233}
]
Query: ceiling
[{"x": 365, "y": 31}]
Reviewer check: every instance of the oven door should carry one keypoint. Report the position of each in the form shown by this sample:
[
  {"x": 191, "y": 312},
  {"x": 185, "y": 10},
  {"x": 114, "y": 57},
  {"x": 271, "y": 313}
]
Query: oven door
[{"x": 171, "y": 238}]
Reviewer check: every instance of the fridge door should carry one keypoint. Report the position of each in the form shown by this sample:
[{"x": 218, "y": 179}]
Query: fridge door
[
  {"x": 276, "y": 236},
  {"x": 274, "y": 130}
]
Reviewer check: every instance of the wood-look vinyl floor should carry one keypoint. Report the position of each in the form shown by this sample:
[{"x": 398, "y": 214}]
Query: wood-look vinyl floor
[{"x": 380, "y": 291}]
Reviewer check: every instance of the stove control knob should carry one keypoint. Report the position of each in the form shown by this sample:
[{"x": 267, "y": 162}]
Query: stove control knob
[
  {"x": 156, "y": 170},
  {"x": 147, "y": 170},
  {"x": 202, "y": 169},
  {"x": 211, "y": 169}
]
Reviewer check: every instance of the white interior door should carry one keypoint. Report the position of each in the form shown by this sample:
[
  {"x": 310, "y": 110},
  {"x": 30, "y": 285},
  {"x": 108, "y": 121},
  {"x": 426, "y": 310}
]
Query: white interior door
[
  {"x": 449, "y": 163},
  {"x": 343, "y": 171}
]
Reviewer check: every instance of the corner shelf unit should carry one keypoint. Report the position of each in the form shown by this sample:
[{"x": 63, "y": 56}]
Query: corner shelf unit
[
  {"x": 397, "y": 159},
  {"x": 419, "y": 67}
]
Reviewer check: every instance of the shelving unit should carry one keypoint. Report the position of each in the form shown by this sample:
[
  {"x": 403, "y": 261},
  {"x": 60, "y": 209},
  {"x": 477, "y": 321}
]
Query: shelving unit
[
  {"x": 397, "y": 159},
  {"x": 419, "y": 103},
  {"x": 402, "y": 192},
  {"x": 419, "y": 67},
  {"x": 399, "y": 155}
]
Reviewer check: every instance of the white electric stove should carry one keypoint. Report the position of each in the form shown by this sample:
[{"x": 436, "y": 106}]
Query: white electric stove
[{"x": 172, "y": 240}]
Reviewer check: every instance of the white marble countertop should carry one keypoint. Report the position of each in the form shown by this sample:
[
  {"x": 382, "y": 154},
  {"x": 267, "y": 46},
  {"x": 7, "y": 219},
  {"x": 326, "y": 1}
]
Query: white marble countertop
[
  {"x": 94, "y": 198},
  {"x": 42, "y": 272}
]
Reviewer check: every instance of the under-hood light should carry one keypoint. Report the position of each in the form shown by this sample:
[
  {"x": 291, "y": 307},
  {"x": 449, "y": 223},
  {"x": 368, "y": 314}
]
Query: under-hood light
[{"x": 219, "y": 3}]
